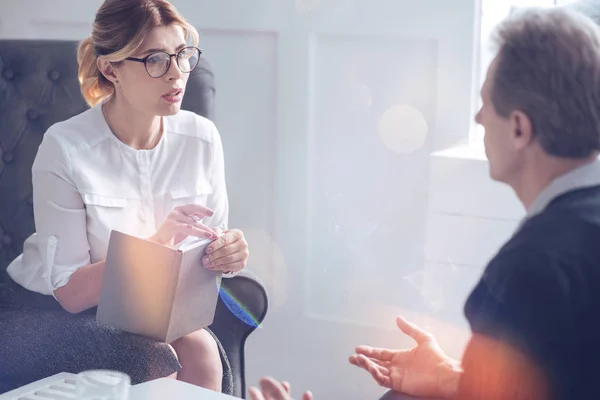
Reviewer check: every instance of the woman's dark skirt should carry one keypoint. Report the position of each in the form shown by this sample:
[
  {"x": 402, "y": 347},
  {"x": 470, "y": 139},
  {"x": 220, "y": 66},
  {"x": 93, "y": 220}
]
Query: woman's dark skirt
[{"x": 39, "y": 339}]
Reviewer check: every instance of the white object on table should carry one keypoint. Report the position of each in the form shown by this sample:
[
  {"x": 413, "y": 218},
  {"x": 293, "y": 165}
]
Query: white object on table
[
  {"x": 102, "y": 385},
  {"x": 166, "y": 388},
  {"x": 62, "y": 387},
  {"x": 57, "y": 387}
]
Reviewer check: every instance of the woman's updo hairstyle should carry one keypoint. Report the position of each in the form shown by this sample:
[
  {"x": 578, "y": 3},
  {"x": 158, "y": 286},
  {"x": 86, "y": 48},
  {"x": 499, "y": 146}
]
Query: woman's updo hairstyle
[{"x": 118, "y": 32}]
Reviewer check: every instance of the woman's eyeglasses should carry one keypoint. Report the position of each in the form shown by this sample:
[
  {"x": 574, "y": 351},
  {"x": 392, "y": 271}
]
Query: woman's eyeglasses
[{"x": 157, "y": 64}]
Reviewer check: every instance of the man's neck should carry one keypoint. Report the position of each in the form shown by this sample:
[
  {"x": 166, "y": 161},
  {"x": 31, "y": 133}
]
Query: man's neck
[
  {"x": 537, "y": 175},
  {"x": 130, "y": 126}
]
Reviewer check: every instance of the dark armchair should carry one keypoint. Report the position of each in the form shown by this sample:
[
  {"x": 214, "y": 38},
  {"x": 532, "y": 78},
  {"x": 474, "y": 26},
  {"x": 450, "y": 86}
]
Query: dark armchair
[{"x": 38, "y": 87}]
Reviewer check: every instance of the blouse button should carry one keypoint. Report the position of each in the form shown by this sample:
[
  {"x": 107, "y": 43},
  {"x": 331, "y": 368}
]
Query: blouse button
[{"x": 142, "y": 216}]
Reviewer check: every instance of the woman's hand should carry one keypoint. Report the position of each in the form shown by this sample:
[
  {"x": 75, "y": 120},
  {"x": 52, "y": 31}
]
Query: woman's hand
[
  {"x": 270, "y": 389},
  {"x": 183, "y": 222},
  {"x": 229, "y": 253},
  {"x": 423, "y": 371}
]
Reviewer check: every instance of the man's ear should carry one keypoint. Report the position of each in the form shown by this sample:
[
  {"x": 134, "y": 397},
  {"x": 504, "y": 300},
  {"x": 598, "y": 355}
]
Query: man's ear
[
  {"x": 522, "y": 129},
  {"x": 107, "y": 69}
]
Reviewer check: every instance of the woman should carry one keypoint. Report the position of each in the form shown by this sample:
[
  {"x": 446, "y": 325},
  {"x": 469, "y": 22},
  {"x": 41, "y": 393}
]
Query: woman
[{"x": 135, "y": 163}]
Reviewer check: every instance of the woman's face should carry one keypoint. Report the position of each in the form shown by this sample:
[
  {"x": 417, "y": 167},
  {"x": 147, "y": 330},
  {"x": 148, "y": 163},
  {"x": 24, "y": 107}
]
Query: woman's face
[{"x": 155, "y": 96}]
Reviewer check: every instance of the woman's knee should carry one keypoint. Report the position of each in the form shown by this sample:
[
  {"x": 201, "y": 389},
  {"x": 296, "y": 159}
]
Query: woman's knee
[
  {"x": 201, "y": 361},
  {"x": 197, "y": 346}
]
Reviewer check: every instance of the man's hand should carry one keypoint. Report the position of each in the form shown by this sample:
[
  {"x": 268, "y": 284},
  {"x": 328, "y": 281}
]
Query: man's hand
[
  {"x": 270, "y": 389},
  {"x": 423, "y": 370}
]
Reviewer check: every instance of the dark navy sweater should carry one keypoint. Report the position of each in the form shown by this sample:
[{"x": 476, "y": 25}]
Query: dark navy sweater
[{"x": 541, "y": 294}]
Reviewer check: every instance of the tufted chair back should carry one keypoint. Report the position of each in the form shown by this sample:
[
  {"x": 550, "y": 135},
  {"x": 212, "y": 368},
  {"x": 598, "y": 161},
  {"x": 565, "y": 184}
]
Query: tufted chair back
[{"x": 39, "y": 87}]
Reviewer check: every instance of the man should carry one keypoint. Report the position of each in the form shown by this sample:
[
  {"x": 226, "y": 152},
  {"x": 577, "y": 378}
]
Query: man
[{"x": 534, "y": 314}]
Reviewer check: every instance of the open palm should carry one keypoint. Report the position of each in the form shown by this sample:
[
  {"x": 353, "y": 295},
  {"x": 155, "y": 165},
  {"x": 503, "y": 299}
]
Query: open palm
[
  {"x": 415, "y": 371},
  {"x": 270, "y": 389}
]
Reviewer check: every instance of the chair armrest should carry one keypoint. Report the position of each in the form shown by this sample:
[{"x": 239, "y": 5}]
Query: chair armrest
[{"x": 242, "y": 306}]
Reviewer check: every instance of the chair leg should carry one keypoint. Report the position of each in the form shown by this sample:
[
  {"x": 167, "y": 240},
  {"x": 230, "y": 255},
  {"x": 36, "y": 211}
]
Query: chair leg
[{"x": 391, "y": 395}]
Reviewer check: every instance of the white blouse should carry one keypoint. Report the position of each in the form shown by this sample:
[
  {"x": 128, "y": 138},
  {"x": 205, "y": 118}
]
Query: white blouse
[{"x": 86, "y": 182}]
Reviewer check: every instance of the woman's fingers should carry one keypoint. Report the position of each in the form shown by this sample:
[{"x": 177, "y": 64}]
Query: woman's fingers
[
  {"x": 228, "y": 250},
  {"x": 193, "y": 230},
  {"x": 229, "y": 268},
  {"x": 179, "y": 216},
  {"x": 225, "y": 256},
  {"x": 226, "y": 239},
  {"x": 224, "y": 263},
  {"x": 228, "y": 253},
  {"x": 196, "y": 209}
]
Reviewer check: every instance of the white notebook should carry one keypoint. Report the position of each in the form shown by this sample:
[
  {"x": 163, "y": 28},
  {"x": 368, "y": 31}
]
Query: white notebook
[{"x": 157, "y": 291}]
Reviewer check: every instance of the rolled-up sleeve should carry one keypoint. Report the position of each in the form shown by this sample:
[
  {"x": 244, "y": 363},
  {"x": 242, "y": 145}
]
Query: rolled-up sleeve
[
  {"x": 59, "y": 212},
  {"x": 218, "y": 200}
]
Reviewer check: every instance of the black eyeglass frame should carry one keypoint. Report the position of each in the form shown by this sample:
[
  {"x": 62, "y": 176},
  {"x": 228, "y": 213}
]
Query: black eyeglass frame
[{"x": 176, "y": 55}]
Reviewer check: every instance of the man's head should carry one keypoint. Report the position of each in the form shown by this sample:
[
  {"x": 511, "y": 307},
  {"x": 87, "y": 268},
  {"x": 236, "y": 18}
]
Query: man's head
[{"x": 541, "y": 97}]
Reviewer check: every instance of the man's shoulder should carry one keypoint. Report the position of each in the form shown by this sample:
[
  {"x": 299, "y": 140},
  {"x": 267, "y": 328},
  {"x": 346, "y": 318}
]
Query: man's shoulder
[
  {"x": 556, "y": 251},
  {"x": 571, "y": 223}
]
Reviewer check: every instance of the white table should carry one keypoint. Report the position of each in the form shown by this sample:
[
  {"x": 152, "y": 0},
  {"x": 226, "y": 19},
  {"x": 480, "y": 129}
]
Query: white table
[
  {"x": 165, "y": 388},
  {"x": 62, "y": 387}
]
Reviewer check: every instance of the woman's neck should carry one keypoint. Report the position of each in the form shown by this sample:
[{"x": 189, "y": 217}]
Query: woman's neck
[{"x": 137, "y": 130}]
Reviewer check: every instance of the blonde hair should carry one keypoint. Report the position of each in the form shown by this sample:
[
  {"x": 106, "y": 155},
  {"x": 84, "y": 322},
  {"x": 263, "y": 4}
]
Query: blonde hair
[{"x": 118, "y": 32}]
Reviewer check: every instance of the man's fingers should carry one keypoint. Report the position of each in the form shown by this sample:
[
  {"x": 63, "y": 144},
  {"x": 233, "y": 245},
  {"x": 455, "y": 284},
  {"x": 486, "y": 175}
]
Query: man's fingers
[
  {"x": 385, "y": 364},
  {"x": 379, "y": 373},
  {"x": 286, "y": 386},
  {"x": 412, "y": 330},
  {"x": 378, "y": 353},
  {"x": 354, "y": 360},
  {"x": 273, "y": 390},
  {"x": 255, "y": 394},
  {"x": 371, "y": 366},
  {"x": 307, "y": 395}
]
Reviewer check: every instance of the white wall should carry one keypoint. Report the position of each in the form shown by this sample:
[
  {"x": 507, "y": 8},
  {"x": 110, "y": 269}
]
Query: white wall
[{"x": 330, "y": 111}]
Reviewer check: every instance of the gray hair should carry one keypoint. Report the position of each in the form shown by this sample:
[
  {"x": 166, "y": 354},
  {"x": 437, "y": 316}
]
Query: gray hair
[
  {"x": 589, "y": 8},
  {"x": 548, "y": 67}
]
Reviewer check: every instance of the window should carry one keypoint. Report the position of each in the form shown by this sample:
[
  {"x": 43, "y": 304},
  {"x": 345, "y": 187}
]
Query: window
[{"x": 492, "y": 12}]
